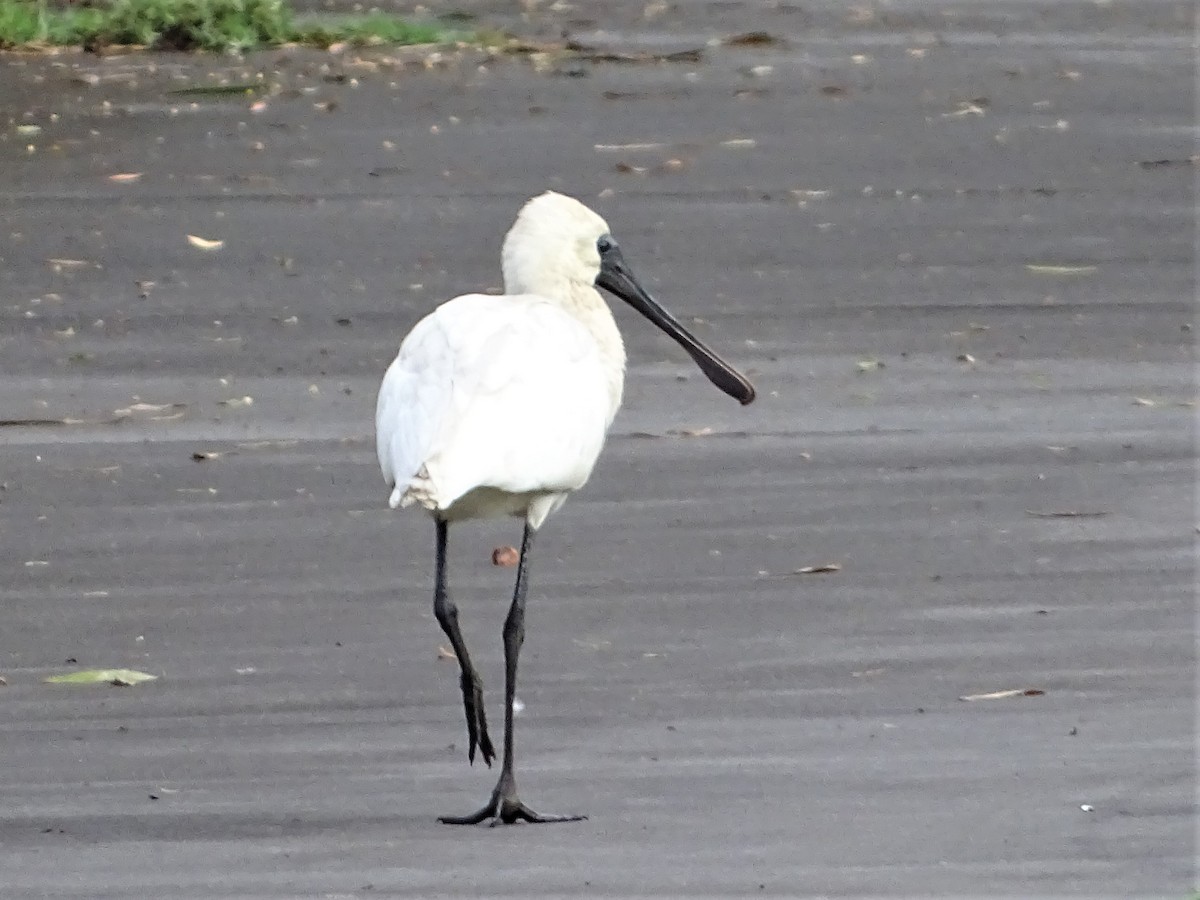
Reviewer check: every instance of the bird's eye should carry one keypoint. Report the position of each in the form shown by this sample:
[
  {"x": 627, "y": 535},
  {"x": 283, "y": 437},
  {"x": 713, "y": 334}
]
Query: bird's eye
[{"x": 605, "y": 244}]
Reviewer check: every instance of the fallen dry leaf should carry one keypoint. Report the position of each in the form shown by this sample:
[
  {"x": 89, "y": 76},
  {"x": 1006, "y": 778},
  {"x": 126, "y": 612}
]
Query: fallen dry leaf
[
  {"x": 146, "y": 408},
  {"x": 1000, "y": 695},
  {"x": 822, "y": 569},
  {"x": 753, "y": 39},
  {"x": 1039, "y": 269},
  {"x": 966, "y": 108},
  {"x": 115, "y": 677},
  {"x": 1066, "y": 513},
  {"x": 591, "y": 54},
  {"x": 618, "y": 148},
  {"x": 506, "y": 557},
  {"x": 165, "y": 412},
  {"x": 265, "y": 445},
  {"x": 1163, "y": 163},
  {"x": 204, "y": 243}
]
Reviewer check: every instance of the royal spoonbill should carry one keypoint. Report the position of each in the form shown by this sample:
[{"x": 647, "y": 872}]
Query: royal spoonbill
[{"x": 498, "y": 406}]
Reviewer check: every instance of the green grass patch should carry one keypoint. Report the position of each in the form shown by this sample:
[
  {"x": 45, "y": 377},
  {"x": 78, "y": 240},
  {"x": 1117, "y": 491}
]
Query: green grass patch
[
  {"x": 24, "y": 22},
  {"x": 371, "y": 28},
  {"x": 215, "y": 25}
]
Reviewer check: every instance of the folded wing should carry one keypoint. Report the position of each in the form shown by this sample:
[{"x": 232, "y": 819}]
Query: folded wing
[{"x": 500, "y": 392}]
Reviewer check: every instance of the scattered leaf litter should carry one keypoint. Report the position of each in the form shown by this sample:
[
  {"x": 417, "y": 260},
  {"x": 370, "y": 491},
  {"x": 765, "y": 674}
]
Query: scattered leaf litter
[
  {"x": 1067, "y": 513},
  {"x": 1047, "y": 269},
  {"x": 821, "y": 569},
  {"x": 506, "y": 557},
  {"x": 201, "y": 243},
  {"x": 115, "y": 677},
  {"x": 753, "y": 39},
  {"x": 1001, "y": 695}
]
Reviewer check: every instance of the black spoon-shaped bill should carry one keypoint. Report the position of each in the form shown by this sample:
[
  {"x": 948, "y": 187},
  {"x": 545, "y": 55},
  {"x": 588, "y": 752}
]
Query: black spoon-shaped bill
[{"x": 617, "y": 278}]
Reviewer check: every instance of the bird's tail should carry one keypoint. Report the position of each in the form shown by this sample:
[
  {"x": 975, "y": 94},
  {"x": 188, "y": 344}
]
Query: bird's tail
[{"x": 420, "y": 489}]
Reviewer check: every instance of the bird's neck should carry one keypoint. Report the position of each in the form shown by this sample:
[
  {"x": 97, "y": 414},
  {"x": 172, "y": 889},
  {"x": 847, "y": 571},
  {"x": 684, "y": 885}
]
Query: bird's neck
[
  {"x": 582, "y": 300},
  {"x": 585, "y": 303}
]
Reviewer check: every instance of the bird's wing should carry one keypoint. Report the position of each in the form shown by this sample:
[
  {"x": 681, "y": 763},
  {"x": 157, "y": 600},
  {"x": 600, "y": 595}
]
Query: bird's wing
[
  {"x": 412, "y": 402},
  {"x": 503, "y": 392}
]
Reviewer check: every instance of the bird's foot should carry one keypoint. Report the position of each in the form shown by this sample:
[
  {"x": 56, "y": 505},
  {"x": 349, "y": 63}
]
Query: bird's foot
[
  {"x": 505, "y": 808},
  {"x": 477, "y": 733}
]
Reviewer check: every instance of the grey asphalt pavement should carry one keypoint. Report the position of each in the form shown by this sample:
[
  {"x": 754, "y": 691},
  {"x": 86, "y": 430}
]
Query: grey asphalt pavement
[{"x": 953, "y": 244}]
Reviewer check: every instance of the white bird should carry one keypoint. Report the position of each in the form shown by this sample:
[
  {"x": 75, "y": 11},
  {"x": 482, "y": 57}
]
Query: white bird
[{"x": 499, "y": 405}]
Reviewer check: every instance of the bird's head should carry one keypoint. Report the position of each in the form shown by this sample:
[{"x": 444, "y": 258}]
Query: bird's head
[
  {"x": 554, "y": 240},
  {"x": 557, "y": 245}
]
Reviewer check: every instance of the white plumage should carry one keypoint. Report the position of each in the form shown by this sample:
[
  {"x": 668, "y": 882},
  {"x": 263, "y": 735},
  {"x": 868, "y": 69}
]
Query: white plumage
[
  {"x": 499, "y": 406},
  {"x": 492, "y": 403}
]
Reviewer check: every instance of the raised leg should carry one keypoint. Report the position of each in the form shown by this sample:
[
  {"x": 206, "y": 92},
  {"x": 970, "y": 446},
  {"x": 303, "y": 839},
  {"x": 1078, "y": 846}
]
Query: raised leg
[
  {"x": 504, "y": 805},
  {"x": 472, "y": 684}
]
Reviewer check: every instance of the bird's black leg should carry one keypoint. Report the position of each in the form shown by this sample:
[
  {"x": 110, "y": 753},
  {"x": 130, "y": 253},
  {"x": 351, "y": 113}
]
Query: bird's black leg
[
  {"x": 472, "y": 684},
  {"x": 504, "y": 806}
]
